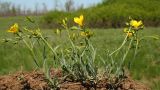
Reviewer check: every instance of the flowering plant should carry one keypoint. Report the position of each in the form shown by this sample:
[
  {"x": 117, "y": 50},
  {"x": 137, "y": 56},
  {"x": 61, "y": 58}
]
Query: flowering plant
[{"x": 78, "y": 58}]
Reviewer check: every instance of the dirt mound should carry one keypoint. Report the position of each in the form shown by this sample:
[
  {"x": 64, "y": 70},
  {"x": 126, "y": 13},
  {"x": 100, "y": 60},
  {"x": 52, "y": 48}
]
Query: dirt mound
[
  {"x": 126, "y": 84},
  {"x": 36, "y": 80},
  {"x": 24, "y": 81}
]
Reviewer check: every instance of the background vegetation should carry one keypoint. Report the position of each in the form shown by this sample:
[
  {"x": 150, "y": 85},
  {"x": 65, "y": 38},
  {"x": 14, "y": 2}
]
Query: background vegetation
[{"x": 112, "y": 13}]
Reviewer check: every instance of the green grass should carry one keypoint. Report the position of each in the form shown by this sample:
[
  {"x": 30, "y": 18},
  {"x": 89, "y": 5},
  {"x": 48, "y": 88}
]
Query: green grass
[
  {"x": 5, "y": 22},
  {"x": 145, "y": 68}
]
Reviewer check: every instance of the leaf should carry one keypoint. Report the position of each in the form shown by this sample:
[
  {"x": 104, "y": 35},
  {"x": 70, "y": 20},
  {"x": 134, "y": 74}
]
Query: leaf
[
  {"x": 74, "y": 28},
  {"x": 30, "y": 20}
]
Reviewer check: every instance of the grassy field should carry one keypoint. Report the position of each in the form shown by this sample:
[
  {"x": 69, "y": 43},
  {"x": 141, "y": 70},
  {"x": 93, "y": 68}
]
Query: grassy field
[
  {"x": 145, "y": 68},
  {"x": 21, "y": 20}
]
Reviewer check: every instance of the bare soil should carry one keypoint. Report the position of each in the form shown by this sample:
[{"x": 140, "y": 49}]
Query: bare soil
[{"x": 36, "y": 80}]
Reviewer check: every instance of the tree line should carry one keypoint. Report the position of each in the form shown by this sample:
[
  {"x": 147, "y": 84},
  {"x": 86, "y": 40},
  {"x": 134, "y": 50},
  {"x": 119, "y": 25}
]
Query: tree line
[{"x": 10, "y": 9}]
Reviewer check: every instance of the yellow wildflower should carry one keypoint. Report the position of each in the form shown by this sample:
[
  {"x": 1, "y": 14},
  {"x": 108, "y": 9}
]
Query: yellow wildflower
[
  {"x": 14, "y": 28},
  {"x": 83, "y": 34},
  {"x": 129, "y": 34},
  {"x": 79, "y": 20},
  {"x": 86, "y": 34},
  {"x": 136, "y": 24}
]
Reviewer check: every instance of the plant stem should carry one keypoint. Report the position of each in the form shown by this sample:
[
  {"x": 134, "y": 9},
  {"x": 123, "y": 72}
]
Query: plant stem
[
  {"x": 46, "y": 42},
  {"x": 124, "y": 57},
  {"x": 32, "y": 52},
  {"x": 125, "y": 40}
]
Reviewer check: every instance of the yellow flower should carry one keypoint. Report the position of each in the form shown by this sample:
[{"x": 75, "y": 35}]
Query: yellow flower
[
  {"x": 14, "y": 28},
  {"x": 129, "y": 34},
  {"x": 79, "y": 20},
  {"x": 83, "y": 34},
  {"x": 136, "y": 24},
  {"x": 87, "y": 34}
]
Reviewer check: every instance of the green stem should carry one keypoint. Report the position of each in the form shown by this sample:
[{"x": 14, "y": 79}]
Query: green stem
[
  {"x": 30, "y": 49},
  {"x": 32, "y": 52},
  {"x": 125, "y": 40},
  {"x": 50, "y": 47},
  {"x": 124, "y": 57},
  {"x": 135, "y": 53}
]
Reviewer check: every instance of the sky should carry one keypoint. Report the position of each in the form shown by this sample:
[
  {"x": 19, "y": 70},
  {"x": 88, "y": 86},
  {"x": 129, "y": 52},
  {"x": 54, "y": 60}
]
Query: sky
[{"x": 30, "y": 4}]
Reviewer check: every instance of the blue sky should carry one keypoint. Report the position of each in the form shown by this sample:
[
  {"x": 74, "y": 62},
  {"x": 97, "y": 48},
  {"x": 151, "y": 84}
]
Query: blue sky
[{"x": 30, "y": 4}]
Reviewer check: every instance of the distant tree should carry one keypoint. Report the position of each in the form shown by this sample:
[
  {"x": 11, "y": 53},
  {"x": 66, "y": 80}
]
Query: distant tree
[
  {"x": 13, "y": 10},
  {"x": 80, "y": 7},
  {"x": 44, "y": 8},
  {"x": 55, "y": 4},
  {"x": 69, "y": 5},
  {"x": 18, "y": 8},
  {"x": 36, "y": 9},
  {"x": 5, "y": 8},
  {"x": 28, "y": 12},
  {"x": 24, "y": 10}
]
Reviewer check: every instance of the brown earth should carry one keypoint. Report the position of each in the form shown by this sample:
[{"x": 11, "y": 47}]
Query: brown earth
[{"x": 36, "y": 80}]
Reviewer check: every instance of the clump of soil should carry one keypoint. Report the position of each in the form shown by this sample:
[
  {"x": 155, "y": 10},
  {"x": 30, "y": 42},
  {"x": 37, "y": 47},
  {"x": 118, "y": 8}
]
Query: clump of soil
[
  {"x": 126, "y": 84},
  {"x": 36, "y": 80},
  {"x": 24, "y": 81}
]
